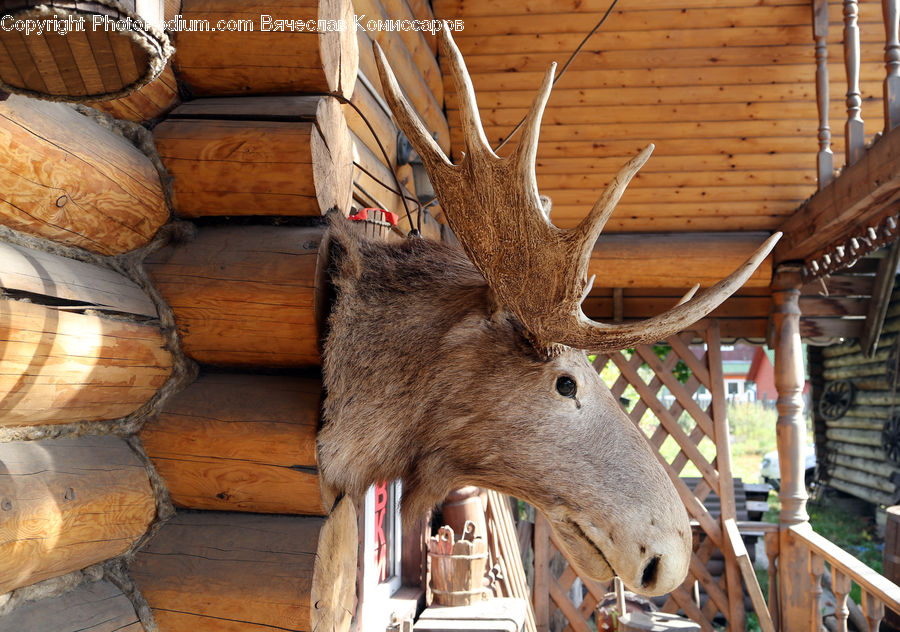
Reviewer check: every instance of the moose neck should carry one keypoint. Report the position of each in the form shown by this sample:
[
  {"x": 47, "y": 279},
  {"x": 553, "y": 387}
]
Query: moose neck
[{"x": 386, "y": 415}]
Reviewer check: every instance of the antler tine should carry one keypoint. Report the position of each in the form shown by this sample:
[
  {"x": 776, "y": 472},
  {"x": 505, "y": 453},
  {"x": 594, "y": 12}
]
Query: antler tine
[
  {"x": 473, "y": 132},
  {"x": 525, "y": 154},
  {"x": 407, "y": 119},
  {"x": 602, "y": 338},
  {"x": 592, "y": 225}
]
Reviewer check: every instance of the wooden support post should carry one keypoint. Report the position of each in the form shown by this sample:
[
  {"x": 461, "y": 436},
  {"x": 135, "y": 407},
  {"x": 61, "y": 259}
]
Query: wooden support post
[
  {"x": 240, "y": 442},
  {"x": 251, "y": 58},
  {"x": 542, "y": 578},
  {"x": 66, "y": 504},
  {"x": 246, "y": 295},
  {"x": 107, "y": 199},
  {"x": 824, "y": 158},
  {"x": 793, "y": 577},
  {"x": 890, "y": 10},
  {"x": 208, "y": 571},
  {"x": 94, "y": 607},
  {"x": 854, "y": 130},
  {"x": 257, "y": 156}
]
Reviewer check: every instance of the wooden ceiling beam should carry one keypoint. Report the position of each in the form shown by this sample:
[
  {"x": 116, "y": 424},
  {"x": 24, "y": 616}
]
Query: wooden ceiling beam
[{"x": 657, "y": 260}]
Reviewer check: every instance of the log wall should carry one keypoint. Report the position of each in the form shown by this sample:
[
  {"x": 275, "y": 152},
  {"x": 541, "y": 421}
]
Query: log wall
[
  {"x": 148, "y": 104},
  {"x": 245, "y": 296},
  {"x": 224, "y": 571},
  {"x": 67, "y": 179},
  {"x": 851, "y": 450},
  {"x": 68, "y": 503},
  {"x": 240, "y": 443},
  {"x": 95, "y": 607},
  {"x": 257, "y": 156}
]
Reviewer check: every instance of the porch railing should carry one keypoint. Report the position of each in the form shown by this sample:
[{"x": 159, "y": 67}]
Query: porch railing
[{"x": 877, "y": 591}]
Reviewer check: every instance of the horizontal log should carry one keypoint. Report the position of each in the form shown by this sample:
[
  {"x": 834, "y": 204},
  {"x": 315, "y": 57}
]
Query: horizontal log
[
  {"x": 857, "y": 359},
  {"x": 206, "y": 571},
  {"x": 856, "y": 423},
  {"x": 240, "y": 443},
  {"x": 95, "y": 61},
  {"x": 875, "y": 412},
  {"x": 68, "y": 503},
  {"x": 868, "y": 453},
  {"x": 880, "y": 469},
  {"x": 863, "y": 479},
  {"x": 852, "y": 347},
  {"x": 854, "y": 371},
  {"x": 253, "y": 60},
  {"x": 374, "y": 109},
  {"x": 148, "y": 104},
  {"x": 95, "y": 607},
  {"x": 874, "y": 496},
  {"x": 245, "y": 295},
  {"x": 601, "y": 308},
  {"x": 861, "y": 196},
  {"x": 658, "y": 260},
  {"x": 257, "y": 156},
  {"x": 876, "y": 398},
  {"x": 60, "y": 367},
  {"x": 43, "y": 274},
  {"x": 68, "y": 179},
  {"x": 858, "y": 437},
  {"x": 417, "y": 42}
]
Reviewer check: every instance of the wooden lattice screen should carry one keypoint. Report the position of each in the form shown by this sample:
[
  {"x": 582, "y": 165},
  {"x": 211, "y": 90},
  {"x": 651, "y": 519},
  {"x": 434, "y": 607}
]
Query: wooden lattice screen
[{"x": 700, "y": 424}]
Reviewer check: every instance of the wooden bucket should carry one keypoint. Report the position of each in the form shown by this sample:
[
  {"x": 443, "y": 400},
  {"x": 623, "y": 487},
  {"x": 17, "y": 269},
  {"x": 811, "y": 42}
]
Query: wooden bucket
[
  {"x": 72, "y": 50},
  {"x": 891, "y": 558},
  {"x": 458, "y": 580}
]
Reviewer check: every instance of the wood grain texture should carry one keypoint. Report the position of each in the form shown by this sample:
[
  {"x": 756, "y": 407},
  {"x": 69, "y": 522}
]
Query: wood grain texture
[
  {"x": 65, "y": 178},
  {"x": 240, "y": 62},
  {"x": 658, "y": 261},
  {"x": 68, "y": 503},
  {"x": 233, "y": 159},
  {"x": 222, "y": 571},
  {"x": 150, "y": 103},
  {"x": 49, "y": 275},
  {"x": 720, "y": 79},
  {"x": 96, "y": 607},
  {"x": 411, "y": 83},
  {"x": 244, "y": 296},
  {"x": 241, "y": 443},
  {"x": 61, "y": 367}
]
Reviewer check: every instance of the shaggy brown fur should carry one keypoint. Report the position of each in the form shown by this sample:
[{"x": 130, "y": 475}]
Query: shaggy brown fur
[{"x": 428, "y": 383}]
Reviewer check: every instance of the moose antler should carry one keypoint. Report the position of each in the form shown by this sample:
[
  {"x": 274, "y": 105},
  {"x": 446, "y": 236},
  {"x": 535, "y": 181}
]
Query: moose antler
[{"x": 536, "y": 271}]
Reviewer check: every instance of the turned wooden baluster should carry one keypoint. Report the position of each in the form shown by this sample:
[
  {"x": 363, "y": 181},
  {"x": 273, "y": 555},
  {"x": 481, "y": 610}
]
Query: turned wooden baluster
[
  {"x": 854, "y": 132},
  {"x": 816, "y": 570},
  {"x": 873, "y": 610},
  {"x": 840, "y": 586},
  {"x": 771, "y": 540},
  {"x": 824, "y": 158},
  {"x": 890, "y": 10}
]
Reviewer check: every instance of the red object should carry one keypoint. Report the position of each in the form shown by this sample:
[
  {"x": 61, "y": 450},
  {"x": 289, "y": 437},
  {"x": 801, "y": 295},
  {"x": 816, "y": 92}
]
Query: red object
[{"x": 362, "y": 215}]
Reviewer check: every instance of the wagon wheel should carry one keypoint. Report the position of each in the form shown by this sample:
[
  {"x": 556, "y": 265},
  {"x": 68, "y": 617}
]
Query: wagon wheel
[
  {"x": 890, "y": 439},
  {"x": 836, "y": 399}
]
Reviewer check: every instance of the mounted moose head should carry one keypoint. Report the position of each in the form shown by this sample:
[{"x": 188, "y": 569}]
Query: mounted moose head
[{"x": 446, "y": 374}]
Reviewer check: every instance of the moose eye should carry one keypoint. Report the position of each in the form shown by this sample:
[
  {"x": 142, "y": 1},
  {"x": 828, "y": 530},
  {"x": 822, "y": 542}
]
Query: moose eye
[{"x": 565, "y": 386}]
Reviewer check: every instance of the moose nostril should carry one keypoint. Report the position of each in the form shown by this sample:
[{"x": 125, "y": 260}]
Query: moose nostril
[{"x": 651, "y": 570}]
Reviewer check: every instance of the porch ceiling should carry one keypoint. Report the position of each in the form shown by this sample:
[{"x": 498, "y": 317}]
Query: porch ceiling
[{"x": 724, "y": 88}]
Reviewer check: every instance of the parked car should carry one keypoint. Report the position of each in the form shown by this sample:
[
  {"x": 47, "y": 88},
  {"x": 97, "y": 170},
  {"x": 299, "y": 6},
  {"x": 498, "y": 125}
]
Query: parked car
[{"x": 770, "y": 473}]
